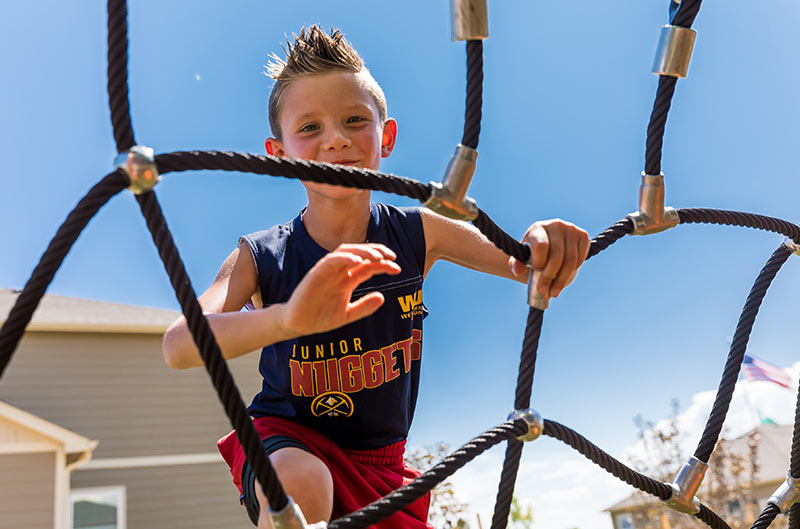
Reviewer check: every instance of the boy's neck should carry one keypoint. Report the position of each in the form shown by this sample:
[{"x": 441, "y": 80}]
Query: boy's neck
[{"x": 332, "y": 222}]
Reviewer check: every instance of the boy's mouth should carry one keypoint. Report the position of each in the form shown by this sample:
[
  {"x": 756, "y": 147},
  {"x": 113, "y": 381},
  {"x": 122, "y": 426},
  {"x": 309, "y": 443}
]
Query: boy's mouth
[{"x": 345, "y": 162}]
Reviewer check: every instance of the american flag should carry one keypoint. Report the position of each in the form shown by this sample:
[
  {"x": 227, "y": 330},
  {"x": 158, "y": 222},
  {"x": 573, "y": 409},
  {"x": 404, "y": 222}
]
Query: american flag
[{"x": 756, "y": 369}]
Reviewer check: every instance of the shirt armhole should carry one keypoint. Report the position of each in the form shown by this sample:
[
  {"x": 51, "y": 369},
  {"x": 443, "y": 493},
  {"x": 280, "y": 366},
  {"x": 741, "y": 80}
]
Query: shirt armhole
[{"x": 253, "y": 255}]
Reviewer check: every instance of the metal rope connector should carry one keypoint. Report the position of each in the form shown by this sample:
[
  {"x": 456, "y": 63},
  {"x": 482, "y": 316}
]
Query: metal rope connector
[
  {"x": 469, "y": 20},
  {"x": 535, "y": 299},
  {"x": 674, "y": 51},
  {"x": 139, "y": 165},
  {"x": 685, "y": 487},
  {"x": 791, "y": 245},
  {"x": 653, "y": 216},
  {"x": 450, "y": 197},
  {"x": 534, "y": 420},
  {"x": 787, "y": 494},
  {"x": 291, "y": 517}
]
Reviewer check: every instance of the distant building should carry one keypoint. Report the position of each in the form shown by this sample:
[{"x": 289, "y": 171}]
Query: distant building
[
  {"x": 772, "y": 457},
  {"x": 95, "y": 427}
]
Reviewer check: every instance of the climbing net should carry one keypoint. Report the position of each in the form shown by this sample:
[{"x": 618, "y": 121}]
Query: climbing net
[{"x": 137, "y": 169}]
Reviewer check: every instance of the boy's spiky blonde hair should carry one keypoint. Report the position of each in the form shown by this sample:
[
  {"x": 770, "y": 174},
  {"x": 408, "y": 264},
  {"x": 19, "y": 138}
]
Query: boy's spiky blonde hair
[{"x": 314, "y": 52}]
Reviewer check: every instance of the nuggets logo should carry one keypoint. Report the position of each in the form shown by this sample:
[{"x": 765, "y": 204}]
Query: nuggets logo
[
  {"x": 411, "y": 304},
  {"x": 332, "y": 404}
]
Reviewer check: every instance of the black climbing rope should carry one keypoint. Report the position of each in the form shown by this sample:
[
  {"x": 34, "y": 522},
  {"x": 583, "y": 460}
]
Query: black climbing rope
[
  {"x": 21, "y": 313},
  {"x": 210, "y": 352},
  {"x": 474, "y": 102},
  {"x": 738, "y": 347}
]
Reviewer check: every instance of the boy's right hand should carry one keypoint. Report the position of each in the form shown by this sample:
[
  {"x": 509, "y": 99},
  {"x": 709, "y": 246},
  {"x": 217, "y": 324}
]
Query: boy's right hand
[{"x": 321, "y": 301}]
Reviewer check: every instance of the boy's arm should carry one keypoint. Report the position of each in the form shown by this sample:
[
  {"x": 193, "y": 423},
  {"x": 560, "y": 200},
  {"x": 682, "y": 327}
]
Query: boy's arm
[
  {"x": 319, "y": 303},
  {"x": 558, "y": 249}
]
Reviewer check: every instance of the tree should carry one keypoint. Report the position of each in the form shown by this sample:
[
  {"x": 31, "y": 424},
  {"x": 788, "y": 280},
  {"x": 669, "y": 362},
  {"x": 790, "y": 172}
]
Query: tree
[
  {"x": 521, "y": 516},
  {"x": 727, "y": 488},
  {"x": 447, "y": 511}
]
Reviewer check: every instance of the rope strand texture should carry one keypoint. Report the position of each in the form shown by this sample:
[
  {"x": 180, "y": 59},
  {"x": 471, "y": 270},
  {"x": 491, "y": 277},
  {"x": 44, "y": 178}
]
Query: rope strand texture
[
  {"x": 711, "y": 518},
  {"x": 22, "y": 312},
  {"x": 663, "y": 101},
  {"x": 769, "y": 513},
  {"x": 339, "y": 175},
  {"x": 217, "y": 369},
  {"x": 118, "y": 75},
  {"x": 393, "y": 502},
  {"x": 522, "y": 400},
  {"x": 740, "y": 218},
  {"x": 738, "y": 347},
  {"x": 474, "y": 102},
  {"x": 609, "y": 463}
]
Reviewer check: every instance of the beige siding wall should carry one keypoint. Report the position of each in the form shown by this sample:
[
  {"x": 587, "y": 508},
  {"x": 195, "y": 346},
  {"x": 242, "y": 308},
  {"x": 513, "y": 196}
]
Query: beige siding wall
[
  {"x": 183, "y": 496},
  {"x": 118, "y": 390},
  {"x": 27, "y": 490}
]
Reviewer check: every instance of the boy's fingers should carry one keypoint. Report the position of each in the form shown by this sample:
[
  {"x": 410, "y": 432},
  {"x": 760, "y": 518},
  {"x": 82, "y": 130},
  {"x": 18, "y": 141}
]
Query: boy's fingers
[
  {"x": 583, "y": 247},
  {"x": 517, "y": 267},
  {"x": 364, "y": 306},
  {"x": 555, "y": 257},
  {"x": 366, "y": 269},
  {"x": 368, "y": 251},
  {"x": 568, "y": 266},
  {"x": 538, "y": 238}
]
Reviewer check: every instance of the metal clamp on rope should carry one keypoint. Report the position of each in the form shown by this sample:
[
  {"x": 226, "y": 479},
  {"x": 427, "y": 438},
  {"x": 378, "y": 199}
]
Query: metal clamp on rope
[
  {"x": 450, "y": 197},
  {"x": 787, "y": 494},
  {"x": 291, "y": 517},
  {"x": 534, "y": 420},
  {"x": 139, "y": 165},
  {"x": 685, "y": 487},
  {"x": 674, "y": 51},
  {"x": 652, "y": 216},
  {"x": 469, "y": 20},
  {"x": 535, "y": 300},
  {"x": 791, "y": 245}
]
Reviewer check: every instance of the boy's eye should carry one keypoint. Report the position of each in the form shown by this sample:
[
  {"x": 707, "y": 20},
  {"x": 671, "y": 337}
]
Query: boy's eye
[
  {"x": 309, "y": 128},
  {"x": 355, "y": 119}
]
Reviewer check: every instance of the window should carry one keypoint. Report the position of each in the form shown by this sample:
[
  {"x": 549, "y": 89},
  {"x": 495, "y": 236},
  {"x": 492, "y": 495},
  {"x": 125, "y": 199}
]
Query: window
[
  {"x": 625, "y": 521},
  {"x": 100, "y": 508}
]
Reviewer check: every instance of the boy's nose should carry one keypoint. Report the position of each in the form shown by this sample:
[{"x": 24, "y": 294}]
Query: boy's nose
[{"x": 336, "y": 140}]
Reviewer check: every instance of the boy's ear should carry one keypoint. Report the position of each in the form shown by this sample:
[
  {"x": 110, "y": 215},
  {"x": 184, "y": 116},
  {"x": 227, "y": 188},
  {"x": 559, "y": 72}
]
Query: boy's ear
[
  {"x": 274, "y": 147},
  {"x": 389, "y": 137}
]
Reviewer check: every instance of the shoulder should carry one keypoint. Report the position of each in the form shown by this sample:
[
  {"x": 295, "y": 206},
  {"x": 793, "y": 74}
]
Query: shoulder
[
  {"x": 408, "y": 217},
  {"x": 269, "y": 242}
]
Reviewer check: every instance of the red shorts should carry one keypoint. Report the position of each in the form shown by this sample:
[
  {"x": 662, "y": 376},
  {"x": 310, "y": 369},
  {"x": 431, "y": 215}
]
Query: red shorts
[{"x": 359, "y": 476}]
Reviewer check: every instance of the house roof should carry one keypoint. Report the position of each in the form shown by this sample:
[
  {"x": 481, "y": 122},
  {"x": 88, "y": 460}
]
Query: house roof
[
  {"x": 66, "y": 314},
  {"x": 772, "y": 455},
  {"x": 71, "y": 441}
]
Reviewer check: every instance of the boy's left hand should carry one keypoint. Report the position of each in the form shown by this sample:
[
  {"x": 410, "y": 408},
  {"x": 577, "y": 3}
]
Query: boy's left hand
[{"x": 558, "y": 248}]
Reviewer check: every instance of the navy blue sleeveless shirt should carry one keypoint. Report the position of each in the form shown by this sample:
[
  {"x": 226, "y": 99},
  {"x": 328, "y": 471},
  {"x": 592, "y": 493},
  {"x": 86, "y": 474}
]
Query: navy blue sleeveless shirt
[{"x": 358, "y": 384}]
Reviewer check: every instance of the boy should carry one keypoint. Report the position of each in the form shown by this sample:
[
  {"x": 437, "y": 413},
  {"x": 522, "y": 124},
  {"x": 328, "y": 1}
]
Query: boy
[{"x": 338, "y": 300}]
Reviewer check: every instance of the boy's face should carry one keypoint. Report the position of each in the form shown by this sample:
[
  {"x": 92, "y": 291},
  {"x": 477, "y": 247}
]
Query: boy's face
[{"x": 332, "y": 118}]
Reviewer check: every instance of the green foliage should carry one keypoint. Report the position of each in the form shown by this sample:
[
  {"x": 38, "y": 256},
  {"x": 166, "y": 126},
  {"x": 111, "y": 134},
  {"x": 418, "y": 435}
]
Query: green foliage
[{"x": 521, "y": 516}]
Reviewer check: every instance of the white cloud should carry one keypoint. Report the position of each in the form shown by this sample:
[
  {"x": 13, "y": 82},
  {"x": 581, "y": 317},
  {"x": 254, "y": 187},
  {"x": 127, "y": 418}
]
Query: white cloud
[{"x": 749, "y": 399}]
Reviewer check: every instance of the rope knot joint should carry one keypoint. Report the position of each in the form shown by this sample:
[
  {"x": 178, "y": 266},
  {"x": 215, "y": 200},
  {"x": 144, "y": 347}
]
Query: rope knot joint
[
  {"x": 787, "y": 494},
  {"x": 791, "y": 245},
  {"x": 534, "y": 421},
  {"x": 450, "y": 197},
  {"x": 685, "y": 487},
  {"x": 139, "y": 165},
  {"x": 653, "y": 216}
]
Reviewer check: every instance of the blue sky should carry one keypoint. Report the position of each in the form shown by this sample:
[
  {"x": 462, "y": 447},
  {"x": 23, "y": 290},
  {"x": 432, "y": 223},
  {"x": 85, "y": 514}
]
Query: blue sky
[{"x": 567, "y": 96}]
